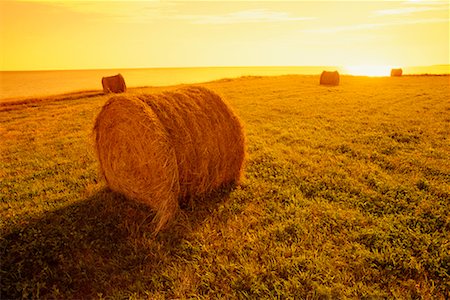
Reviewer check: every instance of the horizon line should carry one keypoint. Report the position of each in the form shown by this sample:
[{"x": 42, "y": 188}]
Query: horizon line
[{"x": 210, "y": 67}]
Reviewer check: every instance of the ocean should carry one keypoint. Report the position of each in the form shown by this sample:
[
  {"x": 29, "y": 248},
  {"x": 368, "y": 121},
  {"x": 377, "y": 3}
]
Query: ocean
[{"x": 23, "y": 84}]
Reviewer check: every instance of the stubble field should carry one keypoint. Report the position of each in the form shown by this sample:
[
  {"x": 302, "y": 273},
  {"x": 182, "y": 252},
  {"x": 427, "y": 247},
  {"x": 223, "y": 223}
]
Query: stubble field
[{"x": 346, "y": 195}]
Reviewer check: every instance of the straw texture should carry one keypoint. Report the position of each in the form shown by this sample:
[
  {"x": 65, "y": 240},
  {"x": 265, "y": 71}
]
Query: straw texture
[{"x": 160, "y": 149}]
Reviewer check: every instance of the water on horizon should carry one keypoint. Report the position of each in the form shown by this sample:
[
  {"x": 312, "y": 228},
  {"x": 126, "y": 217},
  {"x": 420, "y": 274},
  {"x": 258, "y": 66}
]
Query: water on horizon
[{"x": 22, "y": 84}]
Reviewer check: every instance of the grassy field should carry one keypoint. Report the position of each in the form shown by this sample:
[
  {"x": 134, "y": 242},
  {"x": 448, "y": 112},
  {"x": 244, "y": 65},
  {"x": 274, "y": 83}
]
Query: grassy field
[{"x": 346, "y": 195}]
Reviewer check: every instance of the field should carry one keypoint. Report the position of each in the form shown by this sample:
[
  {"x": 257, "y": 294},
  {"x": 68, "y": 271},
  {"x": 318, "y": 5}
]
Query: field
[{"x": 346, "y": 195}]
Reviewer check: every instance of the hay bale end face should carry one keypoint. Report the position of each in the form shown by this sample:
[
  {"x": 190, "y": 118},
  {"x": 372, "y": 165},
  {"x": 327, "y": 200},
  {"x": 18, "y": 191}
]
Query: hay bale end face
[
  {"x": 396, "y": 72},
  {"x": 114, "y": 84},
  {"x": 161, "y": 149},
  {"x": 329, "y": 78}
]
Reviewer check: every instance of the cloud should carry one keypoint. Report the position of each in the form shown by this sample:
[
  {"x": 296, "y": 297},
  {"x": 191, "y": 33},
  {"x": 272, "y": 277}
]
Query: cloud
[
  {"x": 151, "y": 11},
  {"x": 370, "y": 26},
  {"x": 138, "y": 12},
  {"x": 244, "y": 16},
  {"x": 407, "y": 10},
  {"x": 344, "y": 28}
]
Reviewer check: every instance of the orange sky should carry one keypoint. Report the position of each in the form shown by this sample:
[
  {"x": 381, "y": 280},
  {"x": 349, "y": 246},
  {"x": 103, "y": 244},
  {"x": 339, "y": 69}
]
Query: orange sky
[{"x": 47, "y": 35}]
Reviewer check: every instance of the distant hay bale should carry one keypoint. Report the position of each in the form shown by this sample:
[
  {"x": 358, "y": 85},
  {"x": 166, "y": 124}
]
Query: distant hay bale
[
  {"x": 329, "y": 78},
  {"x": 160, "y": 149},
  {"x": 114, "y": 84},
  {"x": 396, "y": 72}
]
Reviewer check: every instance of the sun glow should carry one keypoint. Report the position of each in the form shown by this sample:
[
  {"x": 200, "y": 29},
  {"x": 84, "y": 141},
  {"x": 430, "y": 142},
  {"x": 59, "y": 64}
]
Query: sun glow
[
  {"x": 368, "y": 70},
  {"x": 365, "y": 35}
]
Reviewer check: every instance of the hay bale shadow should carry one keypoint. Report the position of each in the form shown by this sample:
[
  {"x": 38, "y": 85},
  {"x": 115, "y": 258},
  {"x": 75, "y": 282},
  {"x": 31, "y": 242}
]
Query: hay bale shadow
[{"x": 95, "y": 246}]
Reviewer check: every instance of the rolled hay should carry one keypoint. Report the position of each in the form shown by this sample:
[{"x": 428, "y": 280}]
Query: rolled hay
[
  {"x": 329, "y": 78},
  {"x": 396, "y": 72},
  {"x": 160, "y": 149},
  {"x": 114, "y": 84}
]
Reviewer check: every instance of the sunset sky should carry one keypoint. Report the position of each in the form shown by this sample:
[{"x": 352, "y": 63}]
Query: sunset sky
[{"x": 47, "y": 35}]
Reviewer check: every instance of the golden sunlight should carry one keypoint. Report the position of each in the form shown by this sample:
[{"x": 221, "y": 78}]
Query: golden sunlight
[
  {"x": 368, "y": 70},
  {"x": 364, "y": 35}
]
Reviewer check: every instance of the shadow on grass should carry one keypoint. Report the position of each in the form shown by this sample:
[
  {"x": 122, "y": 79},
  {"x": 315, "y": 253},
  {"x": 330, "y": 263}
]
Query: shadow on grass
[{"x": 97, "y": 246}]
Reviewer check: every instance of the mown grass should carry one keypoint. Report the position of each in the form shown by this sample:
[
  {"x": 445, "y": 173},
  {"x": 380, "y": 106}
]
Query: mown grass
[{"x": 347, "y": 195}]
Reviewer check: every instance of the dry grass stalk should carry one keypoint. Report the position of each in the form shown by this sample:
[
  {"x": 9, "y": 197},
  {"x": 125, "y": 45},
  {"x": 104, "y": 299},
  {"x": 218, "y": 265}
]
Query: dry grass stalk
[{"x": 164, "y": 148}]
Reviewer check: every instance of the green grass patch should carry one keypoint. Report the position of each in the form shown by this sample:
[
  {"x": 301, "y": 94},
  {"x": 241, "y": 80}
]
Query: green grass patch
[{"x": 346, "y": 195}]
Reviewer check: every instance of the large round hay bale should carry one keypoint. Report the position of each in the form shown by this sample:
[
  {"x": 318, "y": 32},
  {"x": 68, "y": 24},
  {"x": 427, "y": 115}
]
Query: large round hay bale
[
  {"x": 396, "y": 72},
  {"x": 114, "y": 84},
  {"x": 135, "y": 155},
  {"x": 160, "y": 149},
  {"x": 329, "y": 78}
]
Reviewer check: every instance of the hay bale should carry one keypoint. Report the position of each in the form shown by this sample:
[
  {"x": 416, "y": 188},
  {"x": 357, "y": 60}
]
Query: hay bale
[
  {"x": 160, "y": 149},
  {"x": 396, "y": 72},
  {"x": 114, "y": 84},
  {"x": 329, "y": 78}
]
